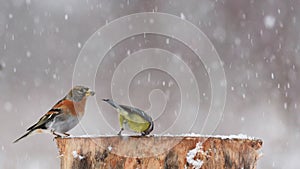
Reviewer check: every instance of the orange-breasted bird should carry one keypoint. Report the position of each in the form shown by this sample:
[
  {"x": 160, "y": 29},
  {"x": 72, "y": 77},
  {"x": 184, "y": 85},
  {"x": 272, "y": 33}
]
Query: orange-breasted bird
[
  {"x": 64, "y": 115},
  {"x": 132, "y": 118}
]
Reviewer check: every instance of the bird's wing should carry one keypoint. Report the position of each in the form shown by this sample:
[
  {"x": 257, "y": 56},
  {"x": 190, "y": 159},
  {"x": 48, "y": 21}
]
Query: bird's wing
[
  {"x": 46, "y": 118},
  {"x": 66, "y": 106},
  {"x": 137, "y": 111}
]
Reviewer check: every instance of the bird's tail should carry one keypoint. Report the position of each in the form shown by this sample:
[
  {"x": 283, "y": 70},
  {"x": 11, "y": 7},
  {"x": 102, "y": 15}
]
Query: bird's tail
[
  {"x": 25, "y": 135},
  {"x": 112, "y": 103}
]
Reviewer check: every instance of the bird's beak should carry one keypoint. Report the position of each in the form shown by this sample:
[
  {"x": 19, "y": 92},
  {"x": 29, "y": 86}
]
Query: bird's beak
[{"x": 90, "y": 93}]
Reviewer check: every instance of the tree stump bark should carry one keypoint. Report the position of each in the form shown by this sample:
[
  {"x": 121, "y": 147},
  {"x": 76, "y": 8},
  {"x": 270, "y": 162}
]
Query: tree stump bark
[{"x": 156, "y": 152}]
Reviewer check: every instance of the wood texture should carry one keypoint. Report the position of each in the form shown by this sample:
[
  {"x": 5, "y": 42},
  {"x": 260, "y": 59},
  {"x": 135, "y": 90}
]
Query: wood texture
[{"x": 157, "y": 152}]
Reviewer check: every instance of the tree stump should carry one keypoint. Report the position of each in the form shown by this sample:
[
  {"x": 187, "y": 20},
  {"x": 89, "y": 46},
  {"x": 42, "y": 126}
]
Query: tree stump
[{"x": 156, "y": 152}]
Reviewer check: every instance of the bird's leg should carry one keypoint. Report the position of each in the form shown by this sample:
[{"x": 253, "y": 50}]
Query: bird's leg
[
  {"x": 143, "y": 134},
  {"x": 119, "y": 134},
  {"x": 121, "y": 121}
]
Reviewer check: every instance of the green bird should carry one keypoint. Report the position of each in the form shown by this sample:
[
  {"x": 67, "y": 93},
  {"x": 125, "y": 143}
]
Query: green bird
[{"x": 132, "y": 118}]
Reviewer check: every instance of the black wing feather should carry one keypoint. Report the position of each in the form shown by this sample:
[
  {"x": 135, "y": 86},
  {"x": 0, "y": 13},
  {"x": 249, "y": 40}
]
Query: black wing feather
[{"x": 41, "y": 124}]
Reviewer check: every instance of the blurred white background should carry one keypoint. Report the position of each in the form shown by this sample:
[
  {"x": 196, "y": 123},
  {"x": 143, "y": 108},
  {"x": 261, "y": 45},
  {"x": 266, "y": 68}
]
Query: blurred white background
[{"x": 258, "y": 41}]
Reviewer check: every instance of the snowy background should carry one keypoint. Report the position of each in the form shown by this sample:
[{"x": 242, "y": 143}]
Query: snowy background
[{"x": 258, "y": 41}]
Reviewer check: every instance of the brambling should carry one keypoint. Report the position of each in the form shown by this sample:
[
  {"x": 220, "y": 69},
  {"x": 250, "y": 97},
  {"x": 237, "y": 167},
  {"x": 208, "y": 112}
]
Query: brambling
[
  {"x": 64, "y": 115},
  {"x": 132, "y": 118}
]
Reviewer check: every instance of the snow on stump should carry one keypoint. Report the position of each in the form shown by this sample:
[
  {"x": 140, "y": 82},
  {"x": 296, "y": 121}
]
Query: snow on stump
[{"x": 156, "y": 152}]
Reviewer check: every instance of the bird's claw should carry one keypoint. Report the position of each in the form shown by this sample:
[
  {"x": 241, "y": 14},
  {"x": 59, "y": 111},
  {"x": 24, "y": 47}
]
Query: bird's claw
[
  {"x": 59, "y": 135},
  {"x": 120, "y": 132},
  {"x": 67, "y": 134}
]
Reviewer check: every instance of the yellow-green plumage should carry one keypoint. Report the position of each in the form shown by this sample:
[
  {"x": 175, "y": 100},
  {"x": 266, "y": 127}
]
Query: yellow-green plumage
[
  {"x": 134, "y": 122},
  {"x": 132, "y": 118}
]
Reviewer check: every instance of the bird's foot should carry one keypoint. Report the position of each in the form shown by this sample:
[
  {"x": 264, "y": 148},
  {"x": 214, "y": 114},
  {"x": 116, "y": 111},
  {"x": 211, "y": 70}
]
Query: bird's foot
[
  {"x": 59, "y": 135},
  {"x": 66, "y": 134},
  {"x": 144, "y": 134},
  {"x": 120, "y": 132},
  {"x": 55, "y": 134}
]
